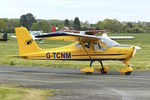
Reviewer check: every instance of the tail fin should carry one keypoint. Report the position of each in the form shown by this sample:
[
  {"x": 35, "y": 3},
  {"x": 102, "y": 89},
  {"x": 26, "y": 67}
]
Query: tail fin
[{"x": 26, "y": 43}]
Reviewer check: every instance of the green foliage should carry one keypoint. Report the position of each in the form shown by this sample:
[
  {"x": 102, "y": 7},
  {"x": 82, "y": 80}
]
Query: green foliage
[
  {"x": 76, "y": 23},
  {"x": 57, "y": 23},
  {"x": 12, "y": 23},
  {"x": 20, "y": 93},
  {"x": 85, "y": 26},
  {"x": 3, "y": 25},
  {"x": 129, "y": 25},
  {"x": 67, "y": 23},
  {"x": 27, "y": 20},
  {"x": 112, "y": 25},
  {"x": 35, "y": 27},
  {"x": 44, "y": 26}
]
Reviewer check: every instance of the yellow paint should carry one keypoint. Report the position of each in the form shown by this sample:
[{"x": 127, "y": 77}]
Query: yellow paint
[
  {"x": 28, "y": 49},
  {"x": 87, "y": 70},
  {"x": 24, "y": 38},
  {"x": 127, "y": 69},
  {"x": 98, "y": 69}
]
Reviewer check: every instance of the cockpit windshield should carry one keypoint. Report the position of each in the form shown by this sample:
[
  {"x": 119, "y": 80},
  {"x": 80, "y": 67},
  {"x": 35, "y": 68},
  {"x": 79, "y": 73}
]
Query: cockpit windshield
[{"x": 109, "y": 43}]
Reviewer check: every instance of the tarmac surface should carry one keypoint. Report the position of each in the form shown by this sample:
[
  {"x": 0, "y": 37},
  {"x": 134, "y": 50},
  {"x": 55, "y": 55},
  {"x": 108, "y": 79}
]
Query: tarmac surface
[{"x": 71, "y": 84}]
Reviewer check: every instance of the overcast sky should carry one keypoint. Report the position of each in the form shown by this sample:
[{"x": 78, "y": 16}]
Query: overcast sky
[{"x": 86, "y": 10}]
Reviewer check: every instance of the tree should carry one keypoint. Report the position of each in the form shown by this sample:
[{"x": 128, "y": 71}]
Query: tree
[
  {"x": 129, "y": 25},
  {"x": 117, "y": 26},
  {"x": 67, "y": 23},
  {"x": 12, "y": 23},
  {"x": 100, "y": 25},
  {"x": 76, "y": 23},
  {"x": 27, "y": 20},
  {"x": 85, "y": 25},
  {"x": 44, "y": 25},
  {"x": 58, "y": 23},
  {"x": 3, "y": 25},
  {"x": 112, "y": 25},
  {"x": 35, "y": 27}
]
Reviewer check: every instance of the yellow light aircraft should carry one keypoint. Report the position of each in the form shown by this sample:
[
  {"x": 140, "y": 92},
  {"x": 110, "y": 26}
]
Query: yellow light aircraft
[{"x": 86, "y": 48}]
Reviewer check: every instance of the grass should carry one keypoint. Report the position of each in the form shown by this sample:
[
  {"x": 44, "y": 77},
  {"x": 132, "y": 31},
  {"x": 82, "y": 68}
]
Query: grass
[
  {"x": 140, "y": 62},
  {"x": 19, "y": 93}
]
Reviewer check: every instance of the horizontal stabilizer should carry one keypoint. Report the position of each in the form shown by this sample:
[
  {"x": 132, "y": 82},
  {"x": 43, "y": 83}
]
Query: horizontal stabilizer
[{"x": 117, "y": 37}]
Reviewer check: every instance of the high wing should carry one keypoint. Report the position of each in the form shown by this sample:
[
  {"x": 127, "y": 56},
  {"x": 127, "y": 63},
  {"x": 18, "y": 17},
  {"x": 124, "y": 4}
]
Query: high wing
[{"x": 69, "y": 37}]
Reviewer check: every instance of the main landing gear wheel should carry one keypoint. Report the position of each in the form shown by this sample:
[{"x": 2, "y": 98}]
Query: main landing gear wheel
[
  {"x": 88, "y": 73},
  {"x": 128, "y": 73},
  {"x": 103, "y": 70}
]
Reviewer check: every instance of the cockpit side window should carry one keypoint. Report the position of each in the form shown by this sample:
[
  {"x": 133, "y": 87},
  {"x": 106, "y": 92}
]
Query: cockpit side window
[
  {"x": 87, "y": 45},
  {"x": 97, "y": 47}
]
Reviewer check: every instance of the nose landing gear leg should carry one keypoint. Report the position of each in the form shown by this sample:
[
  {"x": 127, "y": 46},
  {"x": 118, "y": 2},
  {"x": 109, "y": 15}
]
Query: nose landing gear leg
[{"x": 128, "y": 70}]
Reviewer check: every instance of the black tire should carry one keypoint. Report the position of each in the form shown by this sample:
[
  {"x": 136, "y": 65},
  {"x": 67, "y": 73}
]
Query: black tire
[
  {"x": 103, "y": 72},
  {"x": 128, "y": 73},
  {"x": 88, "y": 73}
]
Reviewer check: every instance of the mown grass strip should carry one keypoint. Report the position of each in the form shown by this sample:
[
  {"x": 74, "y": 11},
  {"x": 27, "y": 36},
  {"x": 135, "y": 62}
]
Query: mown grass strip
[{"x": 20, "y": 93}]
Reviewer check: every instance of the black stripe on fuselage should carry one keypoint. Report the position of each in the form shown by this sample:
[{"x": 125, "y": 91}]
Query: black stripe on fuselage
[
  {"x": 100, "y": 55},
  {"x": 120, "y": 59}
]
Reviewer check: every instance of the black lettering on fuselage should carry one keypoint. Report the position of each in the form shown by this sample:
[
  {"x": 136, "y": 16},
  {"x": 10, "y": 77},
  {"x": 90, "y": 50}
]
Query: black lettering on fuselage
[
  {"x": 48, "y": 56},
  {"x": 54, "y": 54},
  {"x": 63, "y": 55},
  {"x": 58, "y": 55},
  {"x": 68, "y": 55}
]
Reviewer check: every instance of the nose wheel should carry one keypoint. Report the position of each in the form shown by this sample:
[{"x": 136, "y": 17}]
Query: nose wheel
[{"x": 128, "y": 70}]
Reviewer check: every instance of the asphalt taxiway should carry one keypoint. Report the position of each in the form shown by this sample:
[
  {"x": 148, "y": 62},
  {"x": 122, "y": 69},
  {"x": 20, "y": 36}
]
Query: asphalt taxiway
[{"x": 71, "y": 84}]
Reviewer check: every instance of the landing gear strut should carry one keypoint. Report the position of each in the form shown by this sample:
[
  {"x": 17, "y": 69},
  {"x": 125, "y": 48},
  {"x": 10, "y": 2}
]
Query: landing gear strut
[
  {"x": 103, "y": 70},
  {"x": 90, "y": 70},
  {"x": 128, "y": 70}
]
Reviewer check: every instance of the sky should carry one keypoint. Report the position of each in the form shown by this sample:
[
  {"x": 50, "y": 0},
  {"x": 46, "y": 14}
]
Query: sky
[{"x": 87, "y": 10}]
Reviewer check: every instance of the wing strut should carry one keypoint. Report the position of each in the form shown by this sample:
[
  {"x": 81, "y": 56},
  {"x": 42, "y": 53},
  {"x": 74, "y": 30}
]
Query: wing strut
[{"x": 86, "y": 51}]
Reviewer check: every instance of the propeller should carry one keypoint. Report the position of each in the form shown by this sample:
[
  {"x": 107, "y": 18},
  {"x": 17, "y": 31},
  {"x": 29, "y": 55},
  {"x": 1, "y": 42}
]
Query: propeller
[{"x": 136, "y": 48}]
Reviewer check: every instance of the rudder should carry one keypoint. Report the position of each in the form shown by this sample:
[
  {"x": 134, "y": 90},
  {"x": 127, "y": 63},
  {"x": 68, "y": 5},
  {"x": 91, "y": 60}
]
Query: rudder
[{"x": 26, "y": 44}]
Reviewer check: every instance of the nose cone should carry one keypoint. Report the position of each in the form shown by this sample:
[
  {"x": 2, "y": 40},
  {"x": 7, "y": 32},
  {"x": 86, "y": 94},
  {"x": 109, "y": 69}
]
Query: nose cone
[{"x": 135, "y": 48}]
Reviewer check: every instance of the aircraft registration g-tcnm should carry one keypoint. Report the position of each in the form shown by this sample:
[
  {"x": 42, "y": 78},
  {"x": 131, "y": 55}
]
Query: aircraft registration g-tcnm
[{"x": 86, "y": 48}]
